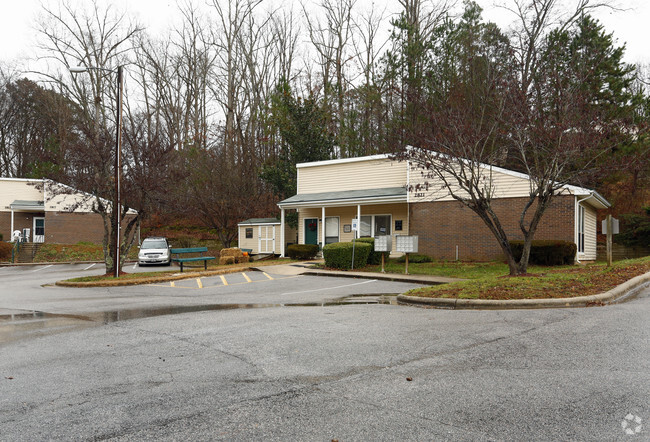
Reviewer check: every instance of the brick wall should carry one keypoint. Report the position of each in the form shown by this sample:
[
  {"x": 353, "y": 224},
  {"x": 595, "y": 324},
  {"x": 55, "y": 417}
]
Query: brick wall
[
  {"x": 442, "y": 225},
  {"x": 71, "y": 228},
  {"x": 22, "y": 220}
]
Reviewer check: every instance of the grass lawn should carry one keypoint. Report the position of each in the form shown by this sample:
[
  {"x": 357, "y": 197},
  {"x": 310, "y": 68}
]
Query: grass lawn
[{"x": 491, "y": 280}]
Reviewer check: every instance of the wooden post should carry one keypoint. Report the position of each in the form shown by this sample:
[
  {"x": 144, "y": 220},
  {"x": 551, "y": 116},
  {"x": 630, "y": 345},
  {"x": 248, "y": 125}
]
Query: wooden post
[
  {"x": 406, "y": 269},
  {"x": 382, "y": 262},
  {"x": 610, "y": 232}
]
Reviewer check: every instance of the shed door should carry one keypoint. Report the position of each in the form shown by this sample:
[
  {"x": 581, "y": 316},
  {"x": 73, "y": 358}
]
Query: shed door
[{"x": 266, "y": 239}]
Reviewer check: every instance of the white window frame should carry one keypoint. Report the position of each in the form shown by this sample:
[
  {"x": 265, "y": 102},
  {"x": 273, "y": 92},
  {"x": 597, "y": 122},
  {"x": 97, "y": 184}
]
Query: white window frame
[
  {"x": 581, "y": 229},
  {"x": 338, "y": 230},
  {"x": 38, "y": 238}
]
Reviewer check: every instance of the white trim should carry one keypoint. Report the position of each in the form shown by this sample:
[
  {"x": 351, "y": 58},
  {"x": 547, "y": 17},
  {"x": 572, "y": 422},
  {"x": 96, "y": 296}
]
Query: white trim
[
  {"x": 322, "y": 239},
  {"x": 28, "y": 180},
  {"x": 384, "y": 156},
  {"x": 282, "y": 239},
  {"x": 259, "y": 224}
]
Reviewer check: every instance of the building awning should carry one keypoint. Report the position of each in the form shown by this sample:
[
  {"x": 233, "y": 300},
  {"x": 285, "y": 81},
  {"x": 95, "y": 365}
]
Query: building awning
[
  {"x": 27, "y": 206},
  {"x": 347, "y": 197},
  {"x": 258, "y": 221}
]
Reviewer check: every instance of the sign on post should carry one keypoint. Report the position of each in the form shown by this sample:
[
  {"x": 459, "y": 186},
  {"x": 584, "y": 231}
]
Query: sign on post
[
  {"x": 355, "y": 225},
  {"x": 615, "y": 226}
]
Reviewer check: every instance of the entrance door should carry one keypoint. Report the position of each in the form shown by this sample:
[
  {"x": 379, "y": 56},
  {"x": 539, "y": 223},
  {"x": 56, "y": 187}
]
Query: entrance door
[
  {"x": 311, "y": 230},
  {"x": 39, "y": 229},
  {"x": 266, "y": 239}
]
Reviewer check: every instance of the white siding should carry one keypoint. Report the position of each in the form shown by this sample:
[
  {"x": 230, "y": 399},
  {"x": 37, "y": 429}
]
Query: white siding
[
  {"x": 504, "y": 185},
  {"x": 11, "y": 191},
  {"x": 371, "y": 174}
]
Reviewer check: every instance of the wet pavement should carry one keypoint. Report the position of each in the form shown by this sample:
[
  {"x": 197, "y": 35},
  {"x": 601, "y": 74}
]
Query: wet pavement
[
  {"x": 243, "y": 361},
  {"x": 31, "y": 305}
]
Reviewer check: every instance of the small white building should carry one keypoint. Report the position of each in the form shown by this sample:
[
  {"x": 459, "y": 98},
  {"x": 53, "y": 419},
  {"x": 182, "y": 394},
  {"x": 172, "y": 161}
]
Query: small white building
[{"x": 262, "y": 235}]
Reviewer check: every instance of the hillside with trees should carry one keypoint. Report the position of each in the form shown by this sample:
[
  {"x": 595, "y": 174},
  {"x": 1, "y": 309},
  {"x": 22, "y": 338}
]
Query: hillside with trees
[{"x": 219, "y": 109}]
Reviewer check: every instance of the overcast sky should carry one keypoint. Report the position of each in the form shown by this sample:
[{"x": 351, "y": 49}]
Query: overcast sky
[{"x": 18, "y": 19}]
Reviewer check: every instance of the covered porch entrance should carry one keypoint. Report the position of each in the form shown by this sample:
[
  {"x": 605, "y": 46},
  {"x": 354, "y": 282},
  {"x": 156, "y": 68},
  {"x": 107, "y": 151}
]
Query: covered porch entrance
[
  {"x": 325, "y": 218},
  {"x": 27, "y": 221}
]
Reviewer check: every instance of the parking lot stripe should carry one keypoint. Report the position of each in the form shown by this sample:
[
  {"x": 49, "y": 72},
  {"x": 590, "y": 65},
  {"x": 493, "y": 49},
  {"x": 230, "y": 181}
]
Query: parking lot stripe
[
  {"x": 267, "y": 275},
  {"x": 329, "y": 288},
  {"x": 198, "y": 282},
  {"x": 90, "y": 266},
  {"x": 42, "y": 268},
  {"x": 223, "y": 279},
  {"x": 172, "y": 284},
  {"x": 246, "y": 276}
]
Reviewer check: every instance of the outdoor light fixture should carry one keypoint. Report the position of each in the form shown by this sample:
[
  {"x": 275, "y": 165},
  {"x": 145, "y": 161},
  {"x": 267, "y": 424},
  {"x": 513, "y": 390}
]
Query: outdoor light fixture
[{"x": 117, "y": 203}]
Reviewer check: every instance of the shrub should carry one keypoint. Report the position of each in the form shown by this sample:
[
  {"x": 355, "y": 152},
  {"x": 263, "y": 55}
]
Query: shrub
[
  {"x": 546, "y": 252},
  {"x": 5, "y": 251},
  {"x": 339, "y": 255},
  {"x": 414, "y": 258},
  {"x": 375, "y": 257},
  {"x": 302, "y": 251}
]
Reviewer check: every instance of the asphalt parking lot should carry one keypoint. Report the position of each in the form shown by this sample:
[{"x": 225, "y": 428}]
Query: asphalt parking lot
[{"x": 345, "y": 371}]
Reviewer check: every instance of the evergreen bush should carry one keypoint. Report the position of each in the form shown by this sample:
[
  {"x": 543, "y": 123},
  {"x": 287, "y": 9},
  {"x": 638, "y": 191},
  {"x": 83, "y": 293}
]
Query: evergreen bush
[
  {"x": 339, "y": 255},
  {"x": 375, "y": 257},
  {"x": 302, "y": 251}
]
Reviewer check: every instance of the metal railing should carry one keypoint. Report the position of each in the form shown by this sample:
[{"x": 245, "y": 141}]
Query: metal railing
[{"x": 14, "y": 251}]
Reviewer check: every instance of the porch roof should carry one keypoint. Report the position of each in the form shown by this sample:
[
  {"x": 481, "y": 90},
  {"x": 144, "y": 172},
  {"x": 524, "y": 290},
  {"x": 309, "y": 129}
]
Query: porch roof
[
  {"x": 27, "y": 206},
  {"x": 347, "y": 197}
]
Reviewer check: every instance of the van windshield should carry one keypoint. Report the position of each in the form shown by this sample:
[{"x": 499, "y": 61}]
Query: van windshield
[{"x": 154, "y": 244}]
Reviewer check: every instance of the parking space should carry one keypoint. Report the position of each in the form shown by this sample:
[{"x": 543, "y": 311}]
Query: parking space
[{"x": 229, "y": 279}]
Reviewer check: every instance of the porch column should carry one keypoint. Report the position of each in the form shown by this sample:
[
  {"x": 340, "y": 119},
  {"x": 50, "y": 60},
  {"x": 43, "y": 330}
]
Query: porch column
[
  {"x": 281, "y": 233},
  {"x": 357, "y": 233},
  {"x": 323, "y": 228},
  {"x": 11, "y": 232}
]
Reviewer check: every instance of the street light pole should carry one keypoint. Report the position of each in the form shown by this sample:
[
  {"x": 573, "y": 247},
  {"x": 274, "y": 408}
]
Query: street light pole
[
  {"x": 117, "y": 207},
  {"x": 117, "y": 200}
]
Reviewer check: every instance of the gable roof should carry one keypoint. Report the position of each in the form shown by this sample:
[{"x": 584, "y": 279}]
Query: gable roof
[{"x": 347, "y": 197}]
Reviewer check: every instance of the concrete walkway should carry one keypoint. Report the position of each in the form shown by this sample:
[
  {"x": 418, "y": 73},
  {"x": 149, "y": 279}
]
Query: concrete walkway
[{"x": 304, "y": 268}]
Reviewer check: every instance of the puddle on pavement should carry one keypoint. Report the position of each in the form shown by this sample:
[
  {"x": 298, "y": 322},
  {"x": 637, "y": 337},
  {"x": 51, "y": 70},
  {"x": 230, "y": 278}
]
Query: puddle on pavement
[{"x": 16, "y": 326}]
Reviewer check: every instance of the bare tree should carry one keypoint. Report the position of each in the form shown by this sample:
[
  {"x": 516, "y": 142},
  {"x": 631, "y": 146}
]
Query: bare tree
[{"x": 97, "y": 39}]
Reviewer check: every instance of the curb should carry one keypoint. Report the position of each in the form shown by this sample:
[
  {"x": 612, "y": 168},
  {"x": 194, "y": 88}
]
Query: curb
[
  {"x": 150, "y": 280},
  {"x": 396, "y": 277},
  {"x": 609, "y": 297}
]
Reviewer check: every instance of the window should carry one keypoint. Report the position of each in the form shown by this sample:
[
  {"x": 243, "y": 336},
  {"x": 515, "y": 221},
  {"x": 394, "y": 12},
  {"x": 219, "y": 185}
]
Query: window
[
  {"x": 249, "y": 232},
  {"x": 382, "y": 225},
  {"x": 374, "y": 225},
  {"x": 581, "y": 229},
  {"x": 398, "y": 225},
  {"x": 331, "y": 229},
  {"x": 365, "y": 228}
]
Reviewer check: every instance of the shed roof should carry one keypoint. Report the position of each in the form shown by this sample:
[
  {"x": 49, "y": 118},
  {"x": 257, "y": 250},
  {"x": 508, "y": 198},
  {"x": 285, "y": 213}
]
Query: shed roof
[{"x": 260, "y": 221}]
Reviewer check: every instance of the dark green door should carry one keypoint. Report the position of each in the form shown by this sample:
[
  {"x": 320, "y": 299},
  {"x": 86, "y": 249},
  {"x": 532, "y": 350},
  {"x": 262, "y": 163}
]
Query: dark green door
[{"x": 311, "y": 230}]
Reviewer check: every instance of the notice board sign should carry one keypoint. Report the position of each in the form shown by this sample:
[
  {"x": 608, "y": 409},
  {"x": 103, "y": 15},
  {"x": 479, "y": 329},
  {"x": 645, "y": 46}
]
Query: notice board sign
[
  {"x": 383, "y": 243},
  {"x": 406, "y": 243}
]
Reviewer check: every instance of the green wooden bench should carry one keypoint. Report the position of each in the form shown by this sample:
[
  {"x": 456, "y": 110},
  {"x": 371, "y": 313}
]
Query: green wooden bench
[
  {"x": 247, "y": 250},
  {"x": 193, "y": 250}
]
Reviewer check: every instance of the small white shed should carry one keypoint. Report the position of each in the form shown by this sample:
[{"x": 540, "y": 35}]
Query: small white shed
[{"x": 261, "y": 235}]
